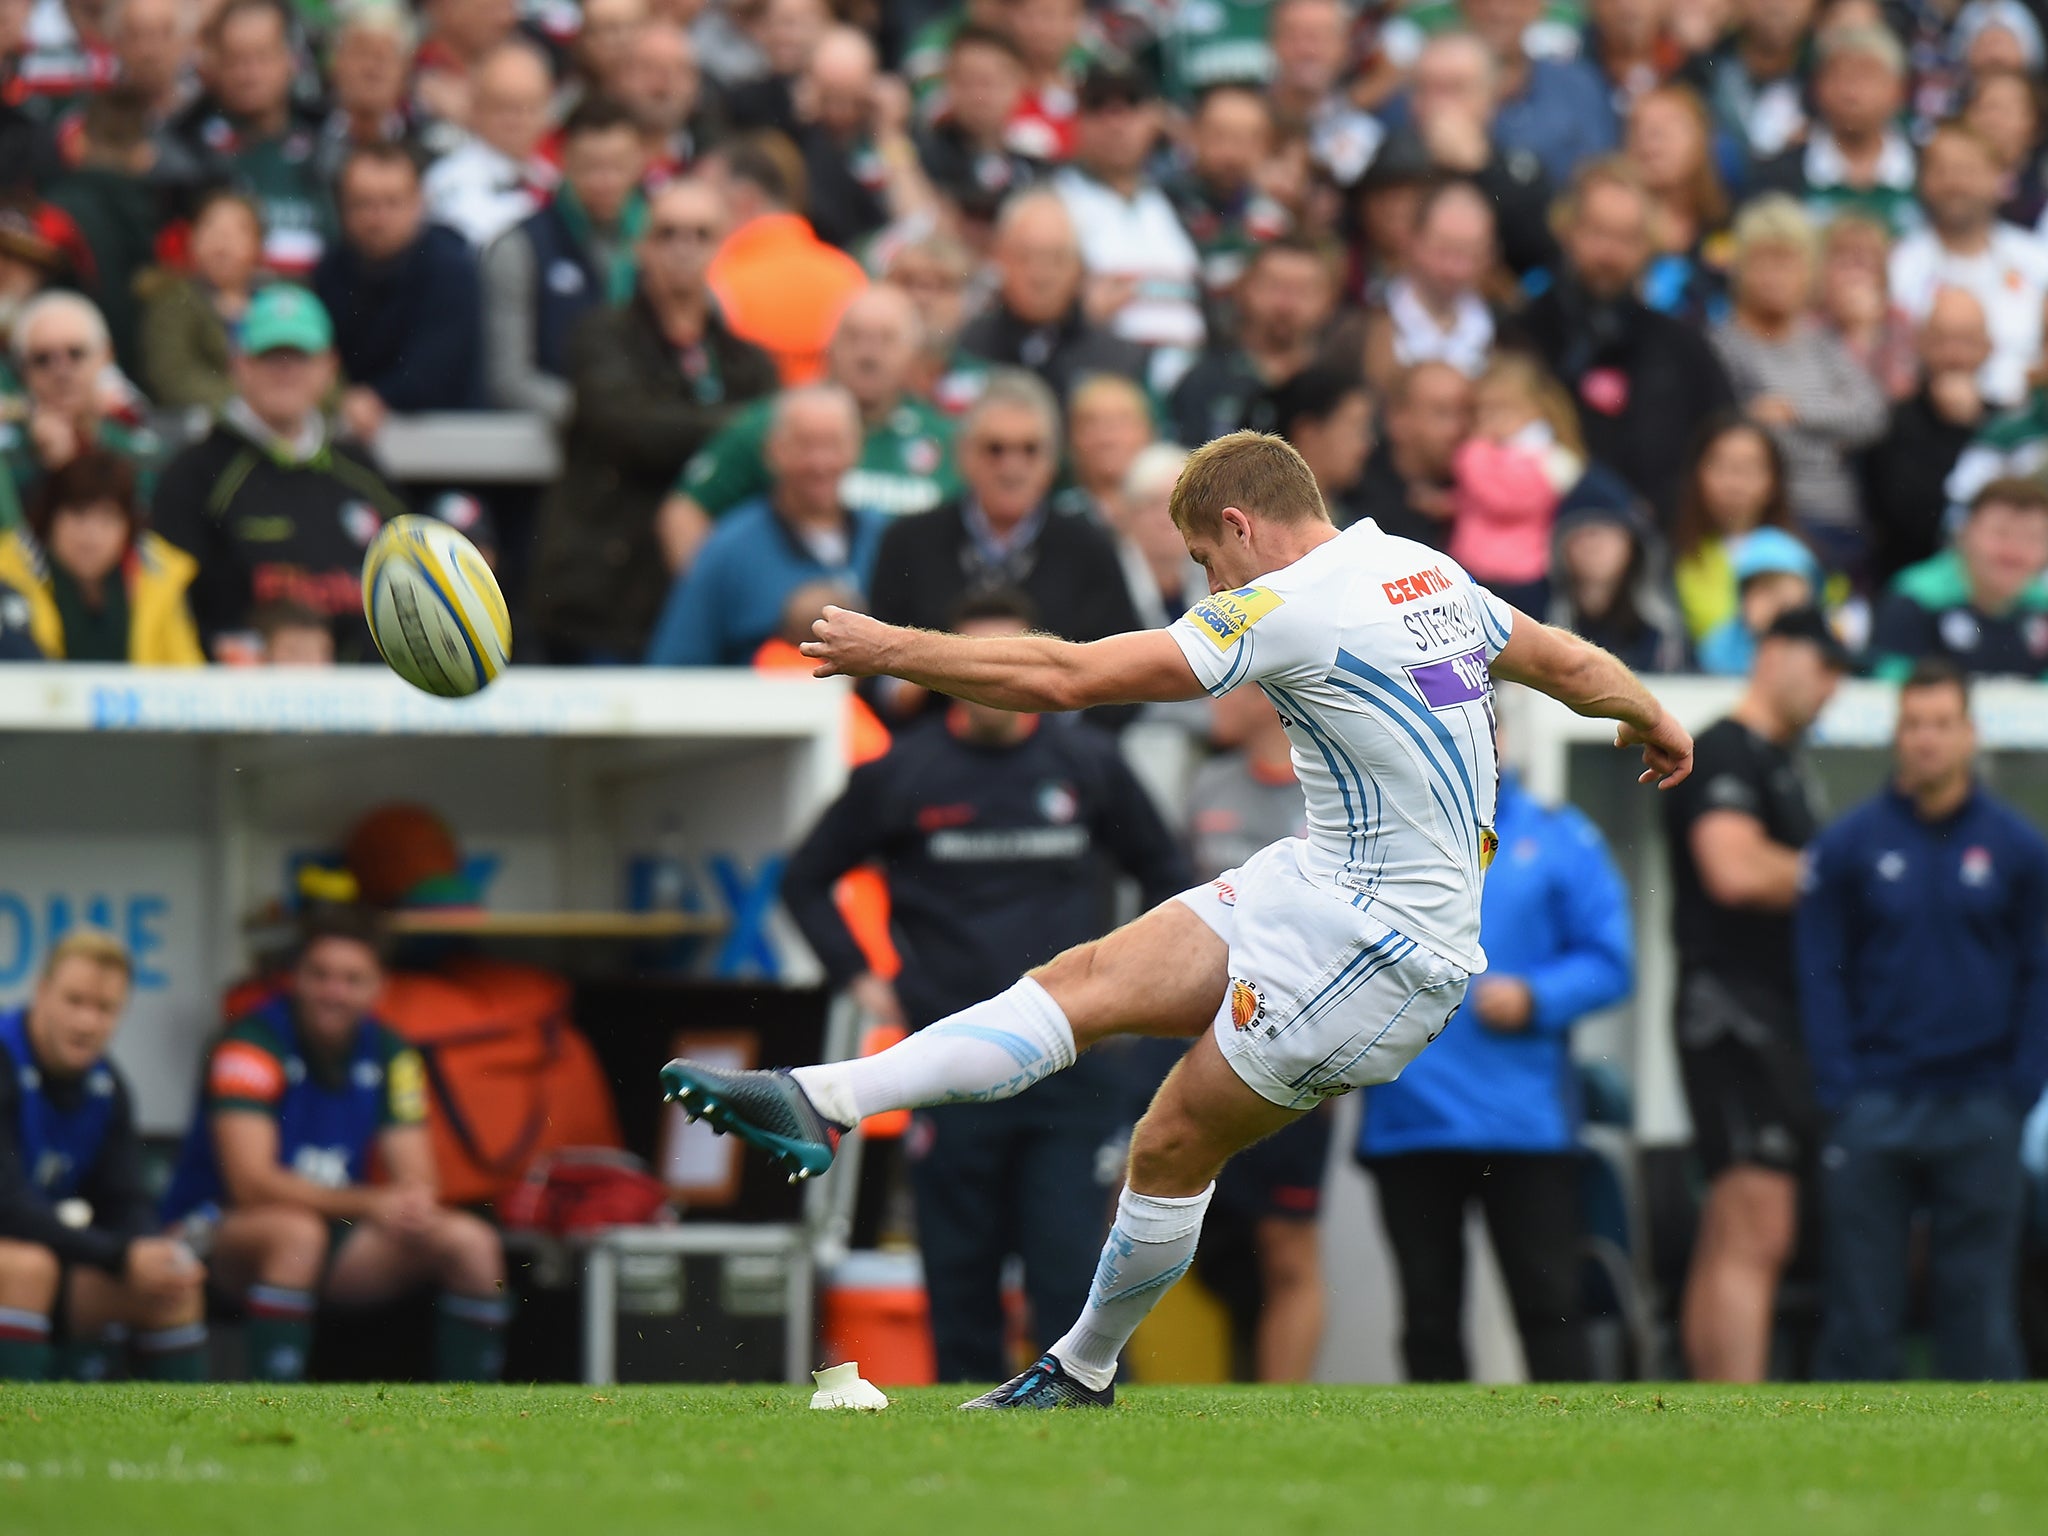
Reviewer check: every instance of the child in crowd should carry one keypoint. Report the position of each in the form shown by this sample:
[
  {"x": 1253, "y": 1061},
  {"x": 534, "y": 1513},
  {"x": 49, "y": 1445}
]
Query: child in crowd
[
  {"x": 1774, "y": 573},
  {"x": 293, "y": 635},
  {"x": 1524, "y": 454},
  {"x": 1735, "y": 486}
]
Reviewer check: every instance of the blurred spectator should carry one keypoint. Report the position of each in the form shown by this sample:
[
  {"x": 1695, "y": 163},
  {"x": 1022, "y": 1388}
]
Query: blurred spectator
[
  {"x": 1641, "y": 381},
  {"x": 249, "y": 124},
  {"x": 100, "y": 587},
  {"x": 155, "y": 46},
  {"x": 68, "y": 1138},
  {"x": 1109, "y": 423},
  {"x": 1905, "y": 470},
  {"x": 1633, "y": 46},
  {"x": 1854, "y": 300},
  {"x": 995, "y": 831},
  {"x": 1493, "y": 1118},
  {"x": 800, "y": 532},
  {"x": 904, "y": 461},
  {"x": 17, "y": 639},
  {"x": 1735, "y": 828},
  {"x": 663, "y": 90},
  {"x": 1608, "y": 583},
  {"x": 652, "y": 382},
  {"x": 463, "y": 36},
  {"x": 605, "y": 41},
  {"x": 1284, "y": 301},
  {"x": 61, "y": 347},
  {"x": 1773, "y": 573},
  {"x": 293, "y": 635},
  {"x": 496, "y": 177},
  {"x": 29, "y": 262},
  {"x": 1311, "y": 49},
  {"x": 1202, "y": 47},
  {"x": 403, "y": 296},
  {"x": 788, "y": 32},
  {"x": 1407, "y": 485},
  {"x": 1436, "y": 310},
  {"x": 1057, "y": 55},
  {"x": 2005, "y": 111},
  {"x": 1755, "y": 77},
  {"x": 114, "y": 197},
  {"x": 966, "y": 152},
  {"x": 1326, "y": 413},
  {"x": 1982, "y": 604},
  {"x": 1002, "y": 533},
  {"x": 1924, "y": 985},
  {"x": 1854, "y": 157},
  {"x": 1218, "y": 198},
  {"x": 1556, "y": 108},
  {"x": 268, "y": 504},
  {"x": 187, "y": 319},
  {"x": 778, "y": 285},
  {"x": 852, "y": 126},
  {"x": 1454, "y": 104},
  {"x": 1509, "y": 476},
  {"x": 1734, "y": 484},
  {"x": 1144, "y": 276},
  {"x": 369, "y": 56},
  {"x": 1037, "y": 320},
  {"x": 1670, "y": 141},
  {"x": 1796, "y": 378},
  {"x": 1966, "y": 246},
  {"x": 935, "y": 269},
  {"x": 299, "y": 1099},
  {"x": 728, "y": 38},
  {"x": 573, "y": 255},
  {"x": 1162, "y": 580}
]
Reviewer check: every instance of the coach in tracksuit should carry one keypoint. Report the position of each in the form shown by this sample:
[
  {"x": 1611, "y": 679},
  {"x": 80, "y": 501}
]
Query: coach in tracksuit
[
  {"x": 1490, "y": 1111},
  {"x": 1923, "y": 956},
  {"x": 992, "y": 829}
]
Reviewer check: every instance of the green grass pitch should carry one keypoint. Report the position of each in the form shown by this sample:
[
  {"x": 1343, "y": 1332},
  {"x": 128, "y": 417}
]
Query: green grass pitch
[{"x": 1169, "y": 1461}]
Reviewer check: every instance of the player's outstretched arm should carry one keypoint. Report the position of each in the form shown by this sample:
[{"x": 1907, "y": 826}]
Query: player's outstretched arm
[
  {"x": 1034, "y": 673},
  {"x": 1590, "y": 681}
]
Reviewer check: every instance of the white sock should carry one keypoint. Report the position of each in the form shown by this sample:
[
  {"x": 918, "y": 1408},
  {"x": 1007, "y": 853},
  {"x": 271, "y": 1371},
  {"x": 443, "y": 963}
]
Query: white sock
[
  {"x": 1150, "y": 1246},
  {"x": 994, "y": 1050}
]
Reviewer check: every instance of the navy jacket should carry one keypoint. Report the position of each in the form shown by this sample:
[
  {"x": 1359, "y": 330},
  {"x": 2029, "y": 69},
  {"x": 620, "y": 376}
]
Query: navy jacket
[
  {"x": 411, "y": 328},
  {"x": 1554, "y": 914},
  {"x": 566, "y": 286},
  {"x": 1923, "y": 952}
]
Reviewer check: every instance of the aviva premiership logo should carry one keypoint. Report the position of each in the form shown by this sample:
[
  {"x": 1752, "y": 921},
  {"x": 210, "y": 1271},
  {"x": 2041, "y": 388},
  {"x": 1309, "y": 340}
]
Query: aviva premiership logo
[{"x": 1226, "y": 615}]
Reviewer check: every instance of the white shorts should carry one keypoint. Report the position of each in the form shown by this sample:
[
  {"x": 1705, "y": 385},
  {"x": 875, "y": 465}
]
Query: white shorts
[{"x": 1323, "y": 998}]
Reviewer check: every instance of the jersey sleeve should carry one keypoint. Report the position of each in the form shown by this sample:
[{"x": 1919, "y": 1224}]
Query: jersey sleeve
[
  {"x": 1237, "y": 637},
  {"x": 245, "y": 1072},
  {"x": 1496, "y": 619},
  {"x": 729, "y": 469},
  {"x": 405, "y": 1084}
]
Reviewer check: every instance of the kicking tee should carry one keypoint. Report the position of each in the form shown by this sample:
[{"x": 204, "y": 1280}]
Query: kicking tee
[{"x": 1375, "y": 650}]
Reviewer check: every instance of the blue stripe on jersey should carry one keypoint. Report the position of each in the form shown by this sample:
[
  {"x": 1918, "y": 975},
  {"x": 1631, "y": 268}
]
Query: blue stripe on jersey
[
  {"x": 1357, "y": 668},
  {"x": 1353, "y": 813},
  {"x": 1238, "y": 667},
  {"x": 1488, "y": 622},
  {"x": 1437, "y": 777}
]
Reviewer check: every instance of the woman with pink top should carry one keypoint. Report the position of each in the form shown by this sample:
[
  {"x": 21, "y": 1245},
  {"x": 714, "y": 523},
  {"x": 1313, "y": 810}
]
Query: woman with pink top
[{"x": 1524, "y": 454}]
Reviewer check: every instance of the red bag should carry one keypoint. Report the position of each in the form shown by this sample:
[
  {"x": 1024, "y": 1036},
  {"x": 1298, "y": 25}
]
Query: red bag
[{"x": 584, "y": 1189}]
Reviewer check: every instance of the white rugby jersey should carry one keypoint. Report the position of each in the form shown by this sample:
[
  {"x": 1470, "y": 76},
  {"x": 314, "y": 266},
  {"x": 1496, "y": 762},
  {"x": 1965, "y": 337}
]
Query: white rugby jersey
[{"x": 1375, "y": 650}]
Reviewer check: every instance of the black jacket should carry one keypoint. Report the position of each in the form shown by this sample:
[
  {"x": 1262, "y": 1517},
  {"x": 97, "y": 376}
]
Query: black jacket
[
  {"x": 641, "y": 410},
  {"x": 1904, "y": 474},
  {"x": 411, "y": 328},
  {"x": 1063, "y": 354},
  {"x": 994, "y": 857},
  {"x": 1642, "y": 382},
  {"x": 1382, "y": 494}
]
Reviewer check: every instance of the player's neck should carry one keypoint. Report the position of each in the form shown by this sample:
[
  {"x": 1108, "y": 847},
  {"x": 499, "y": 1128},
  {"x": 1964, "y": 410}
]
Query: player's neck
[{"x": 1292, "y": 543}]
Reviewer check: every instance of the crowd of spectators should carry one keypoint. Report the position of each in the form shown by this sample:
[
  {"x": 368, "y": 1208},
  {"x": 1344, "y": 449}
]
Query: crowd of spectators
[
  {"x": 1658, "y": 318},
  {"x": 1711, "y": 331}
]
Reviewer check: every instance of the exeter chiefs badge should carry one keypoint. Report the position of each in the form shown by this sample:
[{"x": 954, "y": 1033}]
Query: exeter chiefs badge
[{"x": 1247, "y": 1003}]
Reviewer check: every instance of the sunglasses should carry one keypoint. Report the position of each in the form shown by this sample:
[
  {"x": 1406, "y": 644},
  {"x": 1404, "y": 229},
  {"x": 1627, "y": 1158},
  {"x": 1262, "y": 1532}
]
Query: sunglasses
[
  {"x": 995, "y": 448},
  {"x": 669, "y": 234},
  {"x": 49, "y": 357}
]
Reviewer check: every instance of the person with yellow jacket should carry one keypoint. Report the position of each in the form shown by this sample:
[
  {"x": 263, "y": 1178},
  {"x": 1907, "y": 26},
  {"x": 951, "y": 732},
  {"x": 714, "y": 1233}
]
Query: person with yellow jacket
[{"x": 99, "y": 586}]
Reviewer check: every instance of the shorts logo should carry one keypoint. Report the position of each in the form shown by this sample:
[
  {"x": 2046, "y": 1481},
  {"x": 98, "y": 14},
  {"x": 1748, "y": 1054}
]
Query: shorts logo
[
  {"x": 1226, "y": 615},
  {"x": 1247, "y": 1004}
]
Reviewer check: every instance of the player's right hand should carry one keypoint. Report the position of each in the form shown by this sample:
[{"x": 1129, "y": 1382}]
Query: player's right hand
[
  {"x": 847, "y": 644},
  {"x": 1667, "y": 750}
]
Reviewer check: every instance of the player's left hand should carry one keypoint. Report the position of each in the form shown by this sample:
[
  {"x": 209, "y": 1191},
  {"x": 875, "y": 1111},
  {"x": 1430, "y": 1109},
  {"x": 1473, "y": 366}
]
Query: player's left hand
[
  {"x": 1504, "y": 1003},
  {"x": 848, "y": 644},
  {"x": 1667, "y": 750}
]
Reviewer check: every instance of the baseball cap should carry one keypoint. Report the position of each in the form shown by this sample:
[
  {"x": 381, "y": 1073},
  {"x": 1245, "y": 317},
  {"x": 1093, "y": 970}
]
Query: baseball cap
[
  {"x": 1769, "y": 551},
  {"x": 1115, "y": 84},
  {"x": 286, "y": 317},
  {"x": 1810, "y": 625}
]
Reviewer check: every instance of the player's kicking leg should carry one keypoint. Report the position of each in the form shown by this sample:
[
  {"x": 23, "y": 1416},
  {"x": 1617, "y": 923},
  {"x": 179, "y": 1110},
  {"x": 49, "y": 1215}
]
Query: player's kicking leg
[{"x": 1163, "y": 974}]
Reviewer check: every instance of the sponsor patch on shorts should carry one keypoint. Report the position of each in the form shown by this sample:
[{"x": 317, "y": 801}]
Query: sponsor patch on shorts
[{"x": 1247, "y": 1003}]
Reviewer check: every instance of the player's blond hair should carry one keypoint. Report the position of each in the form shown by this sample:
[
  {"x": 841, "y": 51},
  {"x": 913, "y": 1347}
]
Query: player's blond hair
[
  {"x": 1259, "y": 474},
  {"x": 94, "y": 945}
]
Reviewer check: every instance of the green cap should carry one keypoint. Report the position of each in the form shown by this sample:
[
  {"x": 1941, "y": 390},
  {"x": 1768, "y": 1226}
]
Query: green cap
[{"x": 284, "y": 316}]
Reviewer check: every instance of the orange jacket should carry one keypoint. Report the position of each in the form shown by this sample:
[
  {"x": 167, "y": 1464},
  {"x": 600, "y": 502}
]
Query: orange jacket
[{"x": 782, "y": 288}]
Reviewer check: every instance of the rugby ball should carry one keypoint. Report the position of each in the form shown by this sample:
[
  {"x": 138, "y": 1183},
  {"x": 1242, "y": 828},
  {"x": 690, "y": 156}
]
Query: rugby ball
[{"x": 434, "y": 607}]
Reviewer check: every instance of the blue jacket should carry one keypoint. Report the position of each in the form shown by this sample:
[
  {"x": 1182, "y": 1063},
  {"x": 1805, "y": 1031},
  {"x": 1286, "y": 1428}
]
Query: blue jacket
[
  {"x": 411, "y": 328},
  {"x": 1923, "y": 952},
  {"x": 1556, "y": 915},
  {"x": 731, "y": 600}
]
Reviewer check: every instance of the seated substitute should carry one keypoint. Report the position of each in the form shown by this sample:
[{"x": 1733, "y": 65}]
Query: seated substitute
[
  {"x": 299, "y": 1098},
  {"x": 77, "y": 1250}
]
